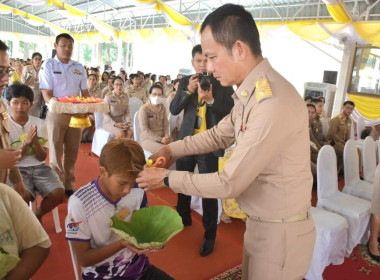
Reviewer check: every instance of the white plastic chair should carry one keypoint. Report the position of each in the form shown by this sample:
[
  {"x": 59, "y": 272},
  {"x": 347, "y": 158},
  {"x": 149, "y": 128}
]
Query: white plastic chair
[
  {"x": 172, "y": 123},
  {"x": 330, "y": 242},
  {"x": 369, "y": 159},
  {"x": 325, "y": 126},
  {"x": 74, "y": 261},
  {"x": 360, "y": 126},
  {"x": 353, "y": 185},
  {"x": 355, "y": 210},
  {"x": 134, "y": 106},
  {"x": 55, "y": 213},
  {"x": 137, "y": 131},
  {"x": 101, "y": 136}
]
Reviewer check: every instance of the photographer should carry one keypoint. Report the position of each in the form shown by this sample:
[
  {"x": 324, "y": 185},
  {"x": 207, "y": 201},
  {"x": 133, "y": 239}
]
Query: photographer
[{"x": 203, "y": 109}]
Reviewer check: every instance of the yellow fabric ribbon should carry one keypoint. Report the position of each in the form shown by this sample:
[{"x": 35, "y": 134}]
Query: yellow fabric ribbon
[{"x": 368, "y": 107}]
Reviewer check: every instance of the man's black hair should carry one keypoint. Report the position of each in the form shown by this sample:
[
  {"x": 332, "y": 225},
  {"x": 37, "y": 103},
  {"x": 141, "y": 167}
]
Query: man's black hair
[
  {"x": 196, "y": 49},
  {"x": 349, "y": 103},
  {"x": 308, "y": 98},
  {"x": 316, "y": 100},
  {"x": 17, "y": 90},
  {"x": 3, "y": 46},
  {"x": 230, "y": 23},
  {"x": 63, "y": 35}
]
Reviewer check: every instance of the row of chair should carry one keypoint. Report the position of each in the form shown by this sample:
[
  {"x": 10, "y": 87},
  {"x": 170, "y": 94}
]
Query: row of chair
[{"x": 341, "y": 218}]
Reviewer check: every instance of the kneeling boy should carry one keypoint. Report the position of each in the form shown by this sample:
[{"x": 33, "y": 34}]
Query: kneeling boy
[
  {"x": 25, "y": 129},
  {"x": 100, "y": 251}
]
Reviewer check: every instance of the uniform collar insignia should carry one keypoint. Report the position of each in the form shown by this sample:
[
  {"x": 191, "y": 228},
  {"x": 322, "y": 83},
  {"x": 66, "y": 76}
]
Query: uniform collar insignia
[
  {"x": 4, "y": 115},
  {"x": 263, "y": 90}
]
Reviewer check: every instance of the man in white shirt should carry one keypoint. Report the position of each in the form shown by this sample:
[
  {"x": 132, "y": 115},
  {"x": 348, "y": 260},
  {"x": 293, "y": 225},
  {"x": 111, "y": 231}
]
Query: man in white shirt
[
  {"x": 61, "y": 76},
  {"x": 30, "y": 134}
]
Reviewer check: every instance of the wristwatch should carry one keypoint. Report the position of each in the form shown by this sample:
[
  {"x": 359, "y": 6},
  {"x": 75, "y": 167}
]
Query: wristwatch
[{"x": 166, "y": 178}]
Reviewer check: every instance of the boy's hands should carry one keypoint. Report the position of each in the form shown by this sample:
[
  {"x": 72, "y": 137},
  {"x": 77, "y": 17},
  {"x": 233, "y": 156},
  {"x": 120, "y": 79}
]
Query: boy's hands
[
  {"x": 32, "y": 135},
  {"x": 136, "y": 250}
]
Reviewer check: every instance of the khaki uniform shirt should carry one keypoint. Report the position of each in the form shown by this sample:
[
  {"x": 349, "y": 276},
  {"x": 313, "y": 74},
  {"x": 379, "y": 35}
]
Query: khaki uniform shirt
[
  {"x": 340, "y": 129},
  {"x": 140, "y": 93},
  {"x": 13, "y": 173},
  {"x": 269, "y": 170},
  {"x": 153, "y": 125},
  {"x": 29, "y": 77},
  {"x": 317, "y": 131},
  {"x": 106, "y": 91},
  {"x": 119, "y": 110},
  {"x": 96, "y": 92}
]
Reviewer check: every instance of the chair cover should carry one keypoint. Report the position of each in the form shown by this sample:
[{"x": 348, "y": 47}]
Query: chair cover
[
  {"x": 101, "y": 136},
  {"x": 330, "y": 242},
  {"x": 355, "y": 210},
  {"x": 172, "y": 123},
  {"x": 360, "y": 126},
  {"x": 353, "y": 185},
  {"x": 369, "y": 159},
  {"x": 134, "y": 106},
  {"x": 325, "y": 126}
]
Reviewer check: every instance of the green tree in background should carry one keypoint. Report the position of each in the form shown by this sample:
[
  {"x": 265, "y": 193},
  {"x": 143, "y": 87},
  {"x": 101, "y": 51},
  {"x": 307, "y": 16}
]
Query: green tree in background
[
  {"x": 87, "y": 53},
  {"x": 109, "y": 52}
]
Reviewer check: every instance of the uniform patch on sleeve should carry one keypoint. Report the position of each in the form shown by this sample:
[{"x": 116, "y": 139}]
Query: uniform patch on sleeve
[
  {"x": 263, "y": 90},
  {"x": 72, "y": 226}
]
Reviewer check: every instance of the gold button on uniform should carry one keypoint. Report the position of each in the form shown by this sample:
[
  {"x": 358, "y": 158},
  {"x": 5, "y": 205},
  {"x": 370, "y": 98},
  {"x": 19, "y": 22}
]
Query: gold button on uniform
[{"x": 244, "y": 93}]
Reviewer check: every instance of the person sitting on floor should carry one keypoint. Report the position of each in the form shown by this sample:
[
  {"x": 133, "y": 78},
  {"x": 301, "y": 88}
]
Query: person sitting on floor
[
  {"x": 99, "y": 250},
  {"x": 28, "y": 131},
  {"x": 118, "y": 120},
  {"x": 153, "y": 121},
  {"x": 21, "y": 235}
]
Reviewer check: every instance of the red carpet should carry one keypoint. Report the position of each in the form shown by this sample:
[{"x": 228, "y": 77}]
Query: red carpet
[{"x": 180, "y": 258}]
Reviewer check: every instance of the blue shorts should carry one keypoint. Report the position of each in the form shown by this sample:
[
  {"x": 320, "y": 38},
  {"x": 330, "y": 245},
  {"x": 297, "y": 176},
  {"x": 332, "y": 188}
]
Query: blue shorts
[{"x": 41, "y": 179}]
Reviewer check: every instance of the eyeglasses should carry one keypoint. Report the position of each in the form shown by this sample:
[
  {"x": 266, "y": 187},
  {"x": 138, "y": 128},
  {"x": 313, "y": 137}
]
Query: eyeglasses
[{"x": 7, "y": 71}]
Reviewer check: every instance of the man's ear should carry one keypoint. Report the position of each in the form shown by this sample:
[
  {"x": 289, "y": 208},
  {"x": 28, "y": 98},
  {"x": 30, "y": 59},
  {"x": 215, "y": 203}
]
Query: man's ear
[{"x": 239, "y": 50}]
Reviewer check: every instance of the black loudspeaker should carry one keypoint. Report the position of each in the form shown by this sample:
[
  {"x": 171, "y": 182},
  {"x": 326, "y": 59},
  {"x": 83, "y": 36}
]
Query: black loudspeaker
[
  {"x": 330, "y": 77},
  {"x": 54, "y": 52}
]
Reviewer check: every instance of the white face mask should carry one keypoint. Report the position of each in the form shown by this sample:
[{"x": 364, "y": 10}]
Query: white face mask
[{"x": 155, "y": 100}]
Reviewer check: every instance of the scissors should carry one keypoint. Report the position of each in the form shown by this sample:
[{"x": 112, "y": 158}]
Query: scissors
[{"x": 160, "y": 161}]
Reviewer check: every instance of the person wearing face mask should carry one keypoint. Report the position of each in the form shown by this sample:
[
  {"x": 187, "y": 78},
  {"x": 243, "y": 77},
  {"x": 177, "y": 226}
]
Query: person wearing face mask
[
  {"x": 118, "y": 120},
  {"x": 153, "y": 121},
  {"x": 29, "y": 77}
]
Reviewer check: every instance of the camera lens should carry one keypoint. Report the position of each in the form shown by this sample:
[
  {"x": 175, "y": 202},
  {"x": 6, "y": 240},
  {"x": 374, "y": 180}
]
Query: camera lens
[{"x": 204, "y": 81}]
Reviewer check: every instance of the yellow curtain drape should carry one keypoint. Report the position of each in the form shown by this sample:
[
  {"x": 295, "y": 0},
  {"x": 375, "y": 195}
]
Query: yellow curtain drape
[
  {"x": 368, "y": 107},
  {"x": 308, "y": 30},
  {"x": 369, "y": 31},
  {"x": 338, "y": 13}
]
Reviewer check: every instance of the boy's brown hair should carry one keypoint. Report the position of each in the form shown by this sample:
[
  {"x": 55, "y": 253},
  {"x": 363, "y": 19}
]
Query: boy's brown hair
[{"x": 122, "y": 155}]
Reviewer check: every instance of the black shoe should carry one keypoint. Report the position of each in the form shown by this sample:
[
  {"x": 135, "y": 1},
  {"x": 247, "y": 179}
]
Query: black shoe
[
  {"x": 374, "y": 257},
  {"x": 69, "y": 193},
  {"x": 207, "y": 247}
]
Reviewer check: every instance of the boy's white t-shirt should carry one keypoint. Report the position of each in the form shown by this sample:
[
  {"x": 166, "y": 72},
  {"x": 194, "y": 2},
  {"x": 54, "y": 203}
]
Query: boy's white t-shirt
[
  {"x": 88, "y": 220},
  {"x": 18, "y": 132}
]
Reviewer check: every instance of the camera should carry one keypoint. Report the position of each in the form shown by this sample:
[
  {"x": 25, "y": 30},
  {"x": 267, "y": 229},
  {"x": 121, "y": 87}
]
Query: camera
[{"x": 204, "y": 81}]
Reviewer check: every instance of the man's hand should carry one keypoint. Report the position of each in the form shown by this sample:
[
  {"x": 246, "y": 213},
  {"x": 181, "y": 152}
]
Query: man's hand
[
  {"x": 205, "y": 95},
  {"x": 165, "y": 152},
  {"x": 151, "y": 178},
  {"x": 165, "y": 140},
  {"x": 193, "y": 83},
  {"x": 9, "y": 157}
]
